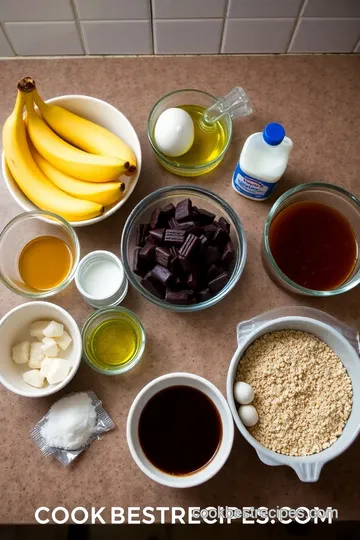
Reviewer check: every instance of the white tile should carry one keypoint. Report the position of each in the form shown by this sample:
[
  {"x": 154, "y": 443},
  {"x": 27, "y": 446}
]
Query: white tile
[
  {"x": 332, "y": 8},
  {"x": 44, "y": 38},
  {"x": 326, "y": 35},
  {"x": 188, "y": 9},
  {"x": 113, "y": 9},
  {"x": 5, "y": 49},
  {"x": 118, "y": 37},
  {"x": 264, "y": 8},
  {"x": 36, "y": 10},
  {"x": 257, "y": 35},
  {"x": 187, "y": 36}
]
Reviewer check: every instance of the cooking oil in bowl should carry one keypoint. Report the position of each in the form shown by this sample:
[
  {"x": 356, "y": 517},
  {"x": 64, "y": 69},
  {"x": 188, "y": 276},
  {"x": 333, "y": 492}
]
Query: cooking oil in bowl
[{"x": 113, "y": 340}]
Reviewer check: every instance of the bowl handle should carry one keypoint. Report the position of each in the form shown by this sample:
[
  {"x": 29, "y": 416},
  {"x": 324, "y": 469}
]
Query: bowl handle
[
  {"x": 266, "y": 459},
  {"x": 308, "y": 472}
]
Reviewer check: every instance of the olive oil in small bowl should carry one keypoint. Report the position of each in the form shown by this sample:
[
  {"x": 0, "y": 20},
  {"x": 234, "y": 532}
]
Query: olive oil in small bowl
[{"x": 113, "y": 340}]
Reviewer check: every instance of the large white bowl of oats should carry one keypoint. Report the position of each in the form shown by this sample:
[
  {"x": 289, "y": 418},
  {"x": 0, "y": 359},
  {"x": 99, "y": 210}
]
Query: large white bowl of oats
[{"x": 306, "y": 381}]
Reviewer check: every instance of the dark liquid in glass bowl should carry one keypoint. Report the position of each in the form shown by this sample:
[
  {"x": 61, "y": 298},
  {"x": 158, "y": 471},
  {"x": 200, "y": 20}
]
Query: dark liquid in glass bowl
[
  {"x": 314, "y": 245},
  {"x": 180, "y": 430}
]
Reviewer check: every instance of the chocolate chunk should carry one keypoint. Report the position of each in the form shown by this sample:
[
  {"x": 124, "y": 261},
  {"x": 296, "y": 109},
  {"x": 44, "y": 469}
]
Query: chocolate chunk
[
  {"x": 219, "y": 282},
  {"x": 228, "y": 255},
  {"x": 196, "y": 230},
  {"x": 157, "y": 235},
  {"x": 179, "y": 283},
  {"x": 178, "y": 297},
  {"x": 185, "y": 264},
  {"x": 163, "y": 256},
  {"x": 190, "y": 247},
  {"x": 203, "y": 295},
  {"x": 183, "y": 210},
  {"x": 220, "y": 237},
  {"x": 158, "y": 219},
  {"x": 174, "y": 237},
  {"x": 175, "y": 266},
  {"x": 169, "y": 210},
  {"x": 213, "y": 272},
  {"x": 139, "y": 266},
  {"x": 161, "y": 274},
  {"x": 212, "y": 255},
  {"x": 142, "y": 230},
  {"x": 205, "y": 217},
  {"x": 210, "y": 230},
  {"x": 174, "y": 251},
  {"x": 147, "y": 253},
  {"x": 224, "y": 224},
  {"x": 149, "y": 286},
  {"x": 172, "y": 223},
  {"x": 193, "y": 280},
  {"x": 204, "y": 242}
]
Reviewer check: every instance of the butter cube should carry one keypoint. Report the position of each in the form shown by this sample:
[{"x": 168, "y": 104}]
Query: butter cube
[
  {"x": 45, "y": 366},
  {"x": 49, "y": 347},
  {"x": 21, "y": 352},
  {"x": 64, "y": 340},
  {"x": 58, "y": 370},
  {"x": 36, "y": 355},
  {"x": 54, "y": 329},
  {"x": 34, "y": 378},
  {"x": 37, "y": 329}
]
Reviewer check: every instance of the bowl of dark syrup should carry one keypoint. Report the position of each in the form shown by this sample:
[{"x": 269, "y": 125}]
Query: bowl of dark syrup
[
  {"x": 180, "y": 430},
  {"x": 311, "y": 240}
]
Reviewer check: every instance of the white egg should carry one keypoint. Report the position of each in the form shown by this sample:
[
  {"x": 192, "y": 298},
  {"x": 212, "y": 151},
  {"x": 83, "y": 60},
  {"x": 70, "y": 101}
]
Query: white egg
[
  {"x": 248, "y": 415},
  {"x": 243, "y": 393},
  {"x": 174, "y": 132}
]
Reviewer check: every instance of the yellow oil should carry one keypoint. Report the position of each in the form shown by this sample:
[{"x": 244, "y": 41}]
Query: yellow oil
[
  {"x": 45, "y": 262},
  {"x": 209, "y": 142},
  {"x": 113, "y": 343}
]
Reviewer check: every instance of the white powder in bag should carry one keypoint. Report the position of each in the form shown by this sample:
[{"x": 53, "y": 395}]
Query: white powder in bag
[{"x": 71, "y": 422}]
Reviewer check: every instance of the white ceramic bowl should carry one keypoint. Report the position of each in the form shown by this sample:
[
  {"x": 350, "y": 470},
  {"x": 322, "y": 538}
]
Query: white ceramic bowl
[
  {"x": 105, "y": 115},
  {"x": 307, "y": 468},
  {"x": 14, "y": 329},
  {"x": 155, "y": 386}
]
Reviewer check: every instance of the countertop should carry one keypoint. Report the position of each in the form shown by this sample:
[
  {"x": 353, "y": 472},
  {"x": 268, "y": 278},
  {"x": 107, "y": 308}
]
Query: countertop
[{"x": 316, "y": 98}]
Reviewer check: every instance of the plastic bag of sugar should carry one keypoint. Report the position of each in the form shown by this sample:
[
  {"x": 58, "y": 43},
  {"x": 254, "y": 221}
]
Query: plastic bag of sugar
[{"x": 71, "y": 425}]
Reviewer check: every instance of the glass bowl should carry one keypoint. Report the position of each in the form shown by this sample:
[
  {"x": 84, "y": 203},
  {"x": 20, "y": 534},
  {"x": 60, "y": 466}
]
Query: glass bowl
[
  {"x": 176, "y": 99},
  {"x": 202, "y": 198},
  {"x": 333, "y": 196},
  {"x": 18, "y": 233},
  {"x": 102, "y": 316}
]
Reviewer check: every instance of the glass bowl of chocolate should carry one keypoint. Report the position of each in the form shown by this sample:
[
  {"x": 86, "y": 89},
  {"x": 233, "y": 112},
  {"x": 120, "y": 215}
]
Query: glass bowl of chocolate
[{"x": 183, "y": 248}]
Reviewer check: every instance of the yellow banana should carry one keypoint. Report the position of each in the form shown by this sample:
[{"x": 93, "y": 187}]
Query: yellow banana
[
  {"x": 65, "y": 157},
  {"x": 106, "y": 193},
  {"x": 85, "y": 134},
  {"x": 29, "y": 177}
]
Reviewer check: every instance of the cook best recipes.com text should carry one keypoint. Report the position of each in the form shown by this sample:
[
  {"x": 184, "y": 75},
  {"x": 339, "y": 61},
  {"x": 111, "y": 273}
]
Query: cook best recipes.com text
[{"x": 192, "y": 515}]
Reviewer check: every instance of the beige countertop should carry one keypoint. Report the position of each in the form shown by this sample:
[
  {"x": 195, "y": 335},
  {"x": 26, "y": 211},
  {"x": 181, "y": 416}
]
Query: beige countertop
[{"x": 316, "y": 98}]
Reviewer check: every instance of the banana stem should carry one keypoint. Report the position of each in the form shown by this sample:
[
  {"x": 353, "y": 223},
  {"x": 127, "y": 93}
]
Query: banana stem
[{"x": 26, "y": 85}]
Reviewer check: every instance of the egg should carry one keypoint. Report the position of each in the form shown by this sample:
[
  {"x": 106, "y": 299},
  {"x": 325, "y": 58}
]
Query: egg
[
  {"x": 243, "y": 393},
  {"x": 248, "y": 415},
  {"x": 174, "y": 132}
]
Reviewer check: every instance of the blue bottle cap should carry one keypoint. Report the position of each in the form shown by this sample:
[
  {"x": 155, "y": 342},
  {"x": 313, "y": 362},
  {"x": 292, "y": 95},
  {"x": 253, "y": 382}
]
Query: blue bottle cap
[{"x": 273, "y": 134}]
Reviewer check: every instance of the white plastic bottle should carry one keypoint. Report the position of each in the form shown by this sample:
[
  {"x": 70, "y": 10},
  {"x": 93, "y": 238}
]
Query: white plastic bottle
[{"x": 262, "y": 162}]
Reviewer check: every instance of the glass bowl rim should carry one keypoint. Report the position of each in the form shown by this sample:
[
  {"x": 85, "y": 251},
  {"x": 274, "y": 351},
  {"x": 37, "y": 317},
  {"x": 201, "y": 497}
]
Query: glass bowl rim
[
  {"x": 69, "y": 277},
  {"x": 138, "y": 211},
  {"x": 297, "y": 189},
  {"x": 165, "y": 158},
  {"x": 137, "y": 356}
]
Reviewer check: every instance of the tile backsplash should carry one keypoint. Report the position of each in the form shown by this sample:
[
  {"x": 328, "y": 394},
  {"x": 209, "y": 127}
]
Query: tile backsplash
[{"x": 120, "y": 27}]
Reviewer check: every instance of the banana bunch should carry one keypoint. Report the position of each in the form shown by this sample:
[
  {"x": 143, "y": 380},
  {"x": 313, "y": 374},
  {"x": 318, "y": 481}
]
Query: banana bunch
[{"x": 62, "y": 162}]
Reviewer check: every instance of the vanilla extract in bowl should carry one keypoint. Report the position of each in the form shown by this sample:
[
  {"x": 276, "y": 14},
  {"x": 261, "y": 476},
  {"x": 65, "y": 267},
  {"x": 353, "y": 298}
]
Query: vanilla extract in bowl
[{"x": 180, "y": 430}]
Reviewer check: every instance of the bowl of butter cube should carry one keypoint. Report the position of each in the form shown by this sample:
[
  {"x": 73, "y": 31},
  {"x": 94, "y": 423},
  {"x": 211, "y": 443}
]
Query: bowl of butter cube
[{"x": 40, "y": 349}]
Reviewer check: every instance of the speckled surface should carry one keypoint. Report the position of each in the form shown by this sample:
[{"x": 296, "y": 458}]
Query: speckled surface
[{"x": 317, "y": 100}]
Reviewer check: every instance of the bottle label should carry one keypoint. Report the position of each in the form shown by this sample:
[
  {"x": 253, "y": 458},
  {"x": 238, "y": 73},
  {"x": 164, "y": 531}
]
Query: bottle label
[{"x": 250, "y": 186}]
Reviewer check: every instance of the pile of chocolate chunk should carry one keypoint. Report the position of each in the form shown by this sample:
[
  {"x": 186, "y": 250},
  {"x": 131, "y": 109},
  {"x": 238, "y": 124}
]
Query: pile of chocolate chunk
[{"x": 184, "y": 255}]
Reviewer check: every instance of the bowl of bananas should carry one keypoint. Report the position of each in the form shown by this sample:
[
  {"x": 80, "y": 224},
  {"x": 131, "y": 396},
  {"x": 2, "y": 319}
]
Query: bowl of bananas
[{"x": 76, "y": 156}]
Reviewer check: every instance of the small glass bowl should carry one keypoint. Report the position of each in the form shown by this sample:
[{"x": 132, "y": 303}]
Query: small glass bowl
[
  {"x": 176, "y": 99},
  {"x": 18, "y": 233},
  {"x": 334, "y": 196},
  {"x": 202, "y": 198},
  {"x": 101, "y": 316}
]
